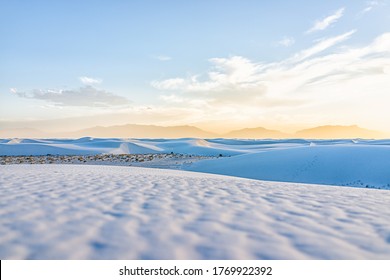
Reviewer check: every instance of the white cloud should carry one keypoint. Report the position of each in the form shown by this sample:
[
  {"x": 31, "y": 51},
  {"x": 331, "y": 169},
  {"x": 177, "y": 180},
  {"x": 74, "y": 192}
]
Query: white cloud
[
  {"x": 172, "y": 98},
  {"x": 286, "y": 42},
  {"x": 326, "y": 22},
  {"x": 366, "y": 10},
  {"x": 232, "y": 73},
  {"x": 348, "y": 84},
  {"x": 86, "y": 96},
  {"x": 89, "y": 81}
]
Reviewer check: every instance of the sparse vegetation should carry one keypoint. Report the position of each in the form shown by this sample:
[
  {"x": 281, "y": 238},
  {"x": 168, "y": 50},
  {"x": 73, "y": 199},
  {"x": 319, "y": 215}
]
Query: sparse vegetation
[{"x": 111, "y": 159}]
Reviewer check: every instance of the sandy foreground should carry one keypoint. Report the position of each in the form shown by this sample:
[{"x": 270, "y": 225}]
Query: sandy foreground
[{"x": 112, "y": 212}]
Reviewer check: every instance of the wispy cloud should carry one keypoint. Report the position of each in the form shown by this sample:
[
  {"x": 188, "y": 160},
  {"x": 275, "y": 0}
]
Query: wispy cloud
[
  {"x": 86, "y": 96},
  {"x": 326, "y": 22},
  {"x": 322, "y": 45},
  {"x": 90, "y": 81},
  {"x": 366, "y": 10},
  {"x": 370, "y": 5},
  {"x": 286, "y": 42},
  {"x": 162, "y": 57}
]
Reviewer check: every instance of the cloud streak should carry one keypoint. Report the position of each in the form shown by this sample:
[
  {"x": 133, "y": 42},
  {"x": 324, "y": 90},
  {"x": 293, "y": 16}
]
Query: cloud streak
[
  {"x": 86, "y": 96},
  {"x": 322, "y": 45},
  {"x": 326, "y": 22},
  {"x": 370, "y": 5}
]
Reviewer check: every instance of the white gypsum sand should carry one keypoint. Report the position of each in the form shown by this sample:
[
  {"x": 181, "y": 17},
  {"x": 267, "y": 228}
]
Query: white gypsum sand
[
  {"x": 349, "y": 162},
  {"x": 112, "y": 212},
  {"x": 353, "y": 165}
]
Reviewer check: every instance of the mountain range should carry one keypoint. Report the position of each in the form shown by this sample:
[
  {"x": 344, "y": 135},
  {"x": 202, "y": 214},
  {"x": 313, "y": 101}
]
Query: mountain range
[{"x": 154, "y": 131}]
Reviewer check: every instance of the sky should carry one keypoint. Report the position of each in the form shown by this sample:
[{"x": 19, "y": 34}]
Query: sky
[{"x": 219, "y": 65}]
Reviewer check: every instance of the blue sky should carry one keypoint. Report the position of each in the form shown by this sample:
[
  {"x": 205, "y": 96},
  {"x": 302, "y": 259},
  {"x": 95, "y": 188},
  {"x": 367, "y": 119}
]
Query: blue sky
[{"x": 195, "y": 62}]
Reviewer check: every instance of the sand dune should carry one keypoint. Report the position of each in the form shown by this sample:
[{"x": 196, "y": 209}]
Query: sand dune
[
  {"x": 349, "y": 162},
  {"x": 347, "y": 165}
]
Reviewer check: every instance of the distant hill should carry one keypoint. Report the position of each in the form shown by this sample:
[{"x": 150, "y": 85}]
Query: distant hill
[
  {"x": 337, "y": 132},
  {"x": 187, "y": 131},
  {"x": 256, "y": 133},
  {"x": 143, "y": 131}
]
